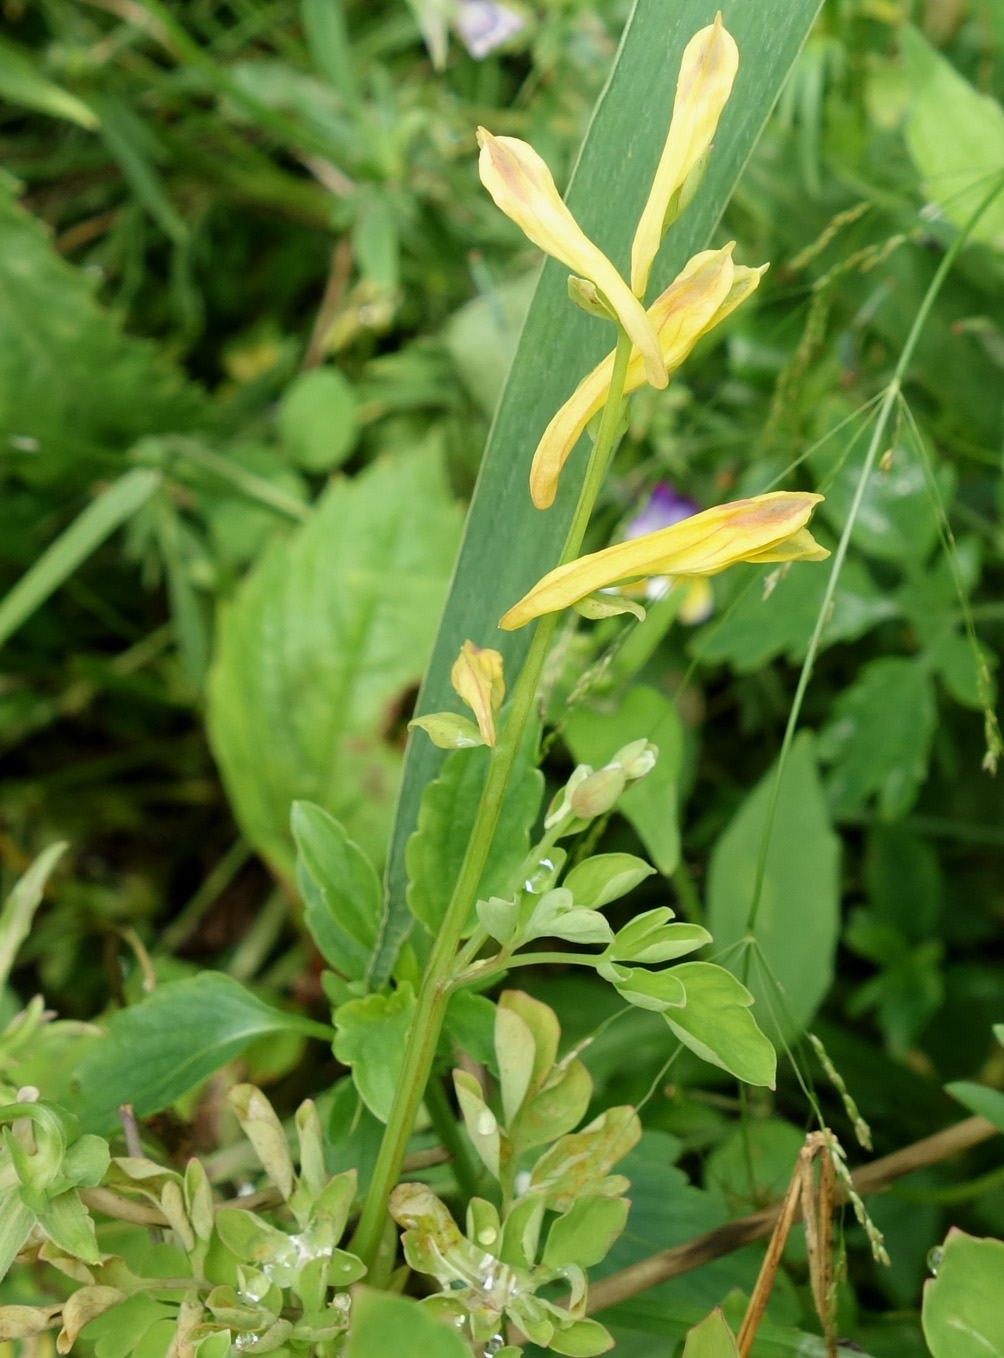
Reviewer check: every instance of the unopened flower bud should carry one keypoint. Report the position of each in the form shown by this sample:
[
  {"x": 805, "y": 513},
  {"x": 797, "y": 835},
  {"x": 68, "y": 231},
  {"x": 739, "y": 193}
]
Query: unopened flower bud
[
  {"x": 637, "y": 759},
  {"x": 599, "y": 792},
  {"x": 561, "y": 806}
]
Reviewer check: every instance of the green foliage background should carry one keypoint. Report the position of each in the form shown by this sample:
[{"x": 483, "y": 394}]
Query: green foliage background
[{"x": 256, "y": 316}]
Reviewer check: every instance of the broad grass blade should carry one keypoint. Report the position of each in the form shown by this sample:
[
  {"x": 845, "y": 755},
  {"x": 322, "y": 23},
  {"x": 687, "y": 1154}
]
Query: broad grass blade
[{"x": 508, "y": 544}]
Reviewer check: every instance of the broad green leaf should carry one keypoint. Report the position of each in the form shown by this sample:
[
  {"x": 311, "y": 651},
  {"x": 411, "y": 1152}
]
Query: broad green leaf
[
  {"x": 755, "y": 624},
  {"x": 20, "y": 906},
  {"x": 655, "y": 990},
  {"x": 711, "y": 1339},
  {"x": 955, "y": 136},
  {"x": 605, "y": 877},
  {"x": 716, "y": 1023},
  {"x": 482, "y": 337},
  {"x": 595, "y": 736},
  {"x": 449, "y": 806},
  {"x": 799, "y": 912},
  {"x": 317, "y": 419},
  {"x": 323, "y": 639},
  {"x": 584, "y": 1233},
  {"x": 371, "y": 1036},
  {"x": 74, "y": 391},
  {"x": 110, "y": 510},
  {"x": 340, "y": 889},
  {"x": 515, "y": 1051},
  {"x": 21, "y": 83},
  {"x": 608, "y": 189},
  {"x": 962, "y": 1314},
  {"x": 878, "y": 738},
  {"x": 556, "y": 916},
  {"x": 581, "y": 1339},
  {"x": 383, "y": 1323},
  {"x": 554, "y": 1109},
  {"x": 66, "y": 1221},
  {"x": 157, "y": 1050}
]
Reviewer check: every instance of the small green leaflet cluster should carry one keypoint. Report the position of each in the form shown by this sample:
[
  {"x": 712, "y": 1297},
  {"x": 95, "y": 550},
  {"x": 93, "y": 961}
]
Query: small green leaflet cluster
[
  {"x": 241, "y": 1281},
  {"x": 491, "y": 1273}
]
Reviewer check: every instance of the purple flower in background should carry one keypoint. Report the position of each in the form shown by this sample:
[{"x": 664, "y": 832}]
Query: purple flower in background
[
  {"x": 665, "y": 507},
  {"x": 483, "y": 25}
]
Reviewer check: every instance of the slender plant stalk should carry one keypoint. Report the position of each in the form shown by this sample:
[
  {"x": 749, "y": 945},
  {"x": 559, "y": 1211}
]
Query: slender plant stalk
[
  {"x": 889, "y": 400},
  {"x": 435, "y": 988}
]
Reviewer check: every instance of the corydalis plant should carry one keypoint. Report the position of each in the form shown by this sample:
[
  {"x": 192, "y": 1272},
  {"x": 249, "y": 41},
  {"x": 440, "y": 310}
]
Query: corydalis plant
[{"x": 771, "y": 527}]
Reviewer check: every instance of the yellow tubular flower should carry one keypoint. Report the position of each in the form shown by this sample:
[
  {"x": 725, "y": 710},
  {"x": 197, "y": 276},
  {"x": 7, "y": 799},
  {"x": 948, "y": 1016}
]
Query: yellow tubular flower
[
  {"x": 707, "y": 290},
  {"x": 764, "y": 528},
  {"x": 523, "y": 189},
  {"x": 477, "y": 677},
  {"x": 709, "y": 66}
]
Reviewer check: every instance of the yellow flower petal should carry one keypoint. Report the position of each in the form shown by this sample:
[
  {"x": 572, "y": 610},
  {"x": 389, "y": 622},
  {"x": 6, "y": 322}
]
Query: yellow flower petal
[
  {"x": 764, "y": 528},
  {"x": 706, "y": 290},
  {"x": 477, "y": 677},
  {"x": 708, "y": 69},
  {"x": 523, "y": 189}
]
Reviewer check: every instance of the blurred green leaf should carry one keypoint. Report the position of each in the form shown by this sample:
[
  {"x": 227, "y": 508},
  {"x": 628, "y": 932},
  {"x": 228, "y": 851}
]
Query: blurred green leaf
[
  {"x": 16, "y": 1221},
  {"x": 898, "y": 518},
  {"x": 157, "y": 1050},
  {"x": 21, "y": 83},
  {"x": 317, "y": 419},
  {"x": 109, "y": 511},
  {"x": 80, "y": 391},
  {"x": 328, "y": 43},
  {"x": 878, "y": 738},
  {"x": 799, "y": 912},
  {"x": 20, "y": 906},
  {"x": 383, "y": 1323},
  {"x": 962, "y": 1314},
  {"x": 607, "y": 192},
  {"x": 319, "y": 647},
  {"x": 955, "y": 136},
  {"x": 756, "y": 624},
  {"x": 482, "y": 338},
  {"x": 981, "y": 1099},
  {"x": 137, "y": 149}
]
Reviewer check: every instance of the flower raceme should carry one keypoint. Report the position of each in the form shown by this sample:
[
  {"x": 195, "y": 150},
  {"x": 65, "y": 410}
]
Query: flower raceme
[
  {"x": 764, "y": 528},
  {"x": 707, "y": 71},
  {"x": 522, "y": 187},
  {"x": 704, "y": 293}
]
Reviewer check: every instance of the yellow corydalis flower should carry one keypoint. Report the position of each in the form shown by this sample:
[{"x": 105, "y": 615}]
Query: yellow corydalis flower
[
  {"x": 707, "y": 290},
  {"x": 477, "y": 677},
  {"x": 707, "y": 72},
  {"x": 522, "y": 187},
  {"x": 764, "y": 528}
]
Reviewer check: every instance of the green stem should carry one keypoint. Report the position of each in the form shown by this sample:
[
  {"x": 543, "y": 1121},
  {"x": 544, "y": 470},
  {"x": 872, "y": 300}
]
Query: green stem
[
  {"x": 430, "y": 1008},
  {"x": 526, "y": 959}
]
